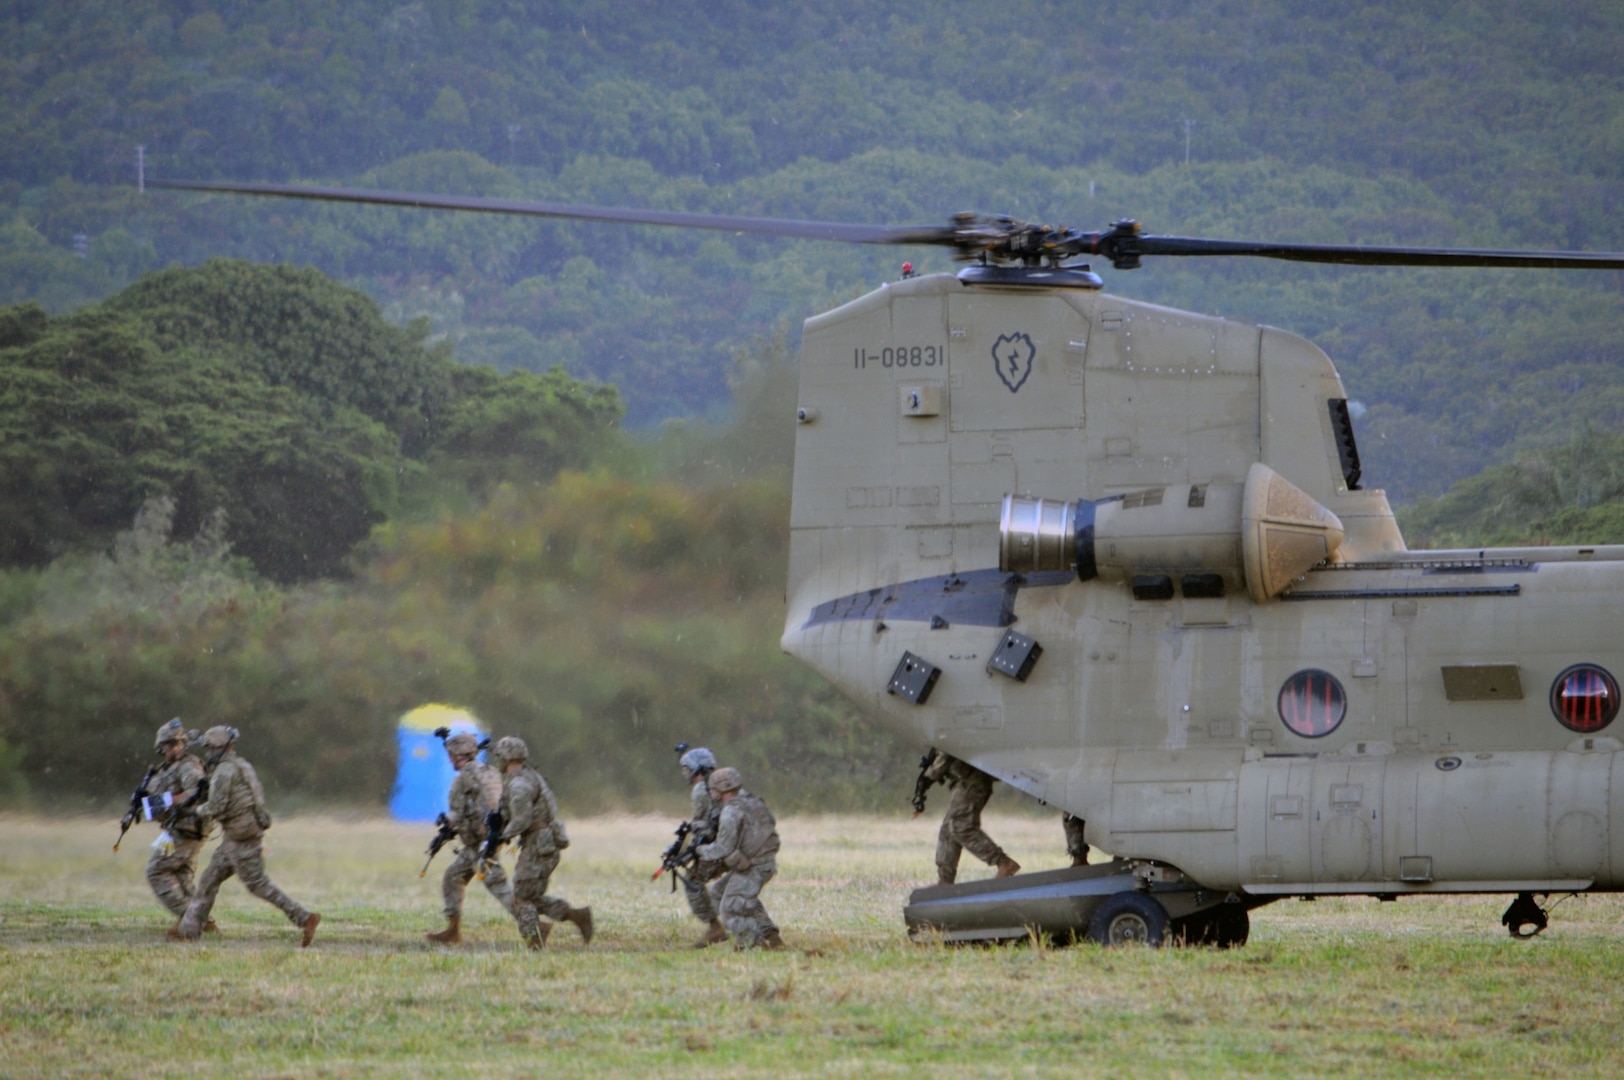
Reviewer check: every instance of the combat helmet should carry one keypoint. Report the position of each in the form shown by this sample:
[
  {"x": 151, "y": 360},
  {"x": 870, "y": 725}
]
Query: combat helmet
[
  {"x": 724, "y": 780},
  {"x": 510, "y": 748},
  {"x": 696, "y": 760},
  {"x": 174, "y": 731},
  {"x": 463, "y": 743},
  {"x": 219, "y": 737}
]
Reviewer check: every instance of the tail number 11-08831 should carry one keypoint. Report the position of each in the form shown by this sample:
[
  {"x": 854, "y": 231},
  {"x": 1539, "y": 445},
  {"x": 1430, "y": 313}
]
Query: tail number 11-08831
[{"x": 900, "y": 356}]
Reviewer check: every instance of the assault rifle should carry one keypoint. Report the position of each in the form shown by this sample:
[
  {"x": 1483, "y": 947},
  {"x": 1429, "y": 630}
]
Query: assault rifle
[
  {"x": 678, "y": 855},
  {"x": 494, "y": 824},
  {"x": 441, "y": 839},
  {"x": 925, "y": 782},
  {"x": 135, "y": 805}
]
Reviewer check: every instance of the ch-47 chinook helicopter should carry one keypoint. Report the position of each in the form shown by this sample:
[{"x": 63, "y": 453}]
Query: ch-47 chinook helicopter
[{"x": 1121, "y": 557}]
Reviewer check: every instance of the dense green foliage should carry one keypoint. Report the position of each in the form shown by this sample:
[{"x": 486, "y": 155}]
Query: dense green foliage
[
  {"x": 633, "y": 604},
  {"x": 1572, "y": 494},
  {"x": 1493, "y": 125},
  {"x": 272, "y": 394},
  {"x": 596, "y": 612}
]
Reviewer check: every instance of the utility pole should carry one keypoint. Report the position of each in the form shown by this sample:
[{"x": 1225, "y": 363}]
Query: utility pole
[
  {"x": 1188, "y": 124},
  {"x": 140, "y": 168}
]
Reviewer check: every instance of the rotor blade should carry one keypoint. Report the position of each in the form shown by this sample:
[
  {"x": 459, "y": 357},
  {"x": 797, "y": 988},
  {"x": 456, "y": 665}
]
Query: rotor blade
[
  {"x": 1380, "y": 256},
  {"x": 806, "y": 230}
]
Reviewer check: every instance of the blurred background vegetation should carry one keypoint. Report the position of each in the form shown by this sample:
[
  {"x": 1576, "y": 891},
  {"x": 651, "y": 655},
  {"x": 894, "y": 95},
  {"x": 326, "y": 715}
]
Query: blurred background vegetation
[{"x": 366, "y": 458}]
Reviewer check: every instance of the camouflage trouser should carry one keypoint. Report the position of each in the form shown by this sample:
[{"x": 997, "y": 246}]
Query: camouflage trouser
[
  {"x": 171, "y": 875},
  {"x": 530, "y": 900},
  {"x": 245, "y": 859},
  {"x": 961, "y": 827},
  {"x": 738, "y": 895},
  {"x": 462, "y": 870},
  {"x": 1076, "y": 846},
  {"x": 697, "y": 886}
]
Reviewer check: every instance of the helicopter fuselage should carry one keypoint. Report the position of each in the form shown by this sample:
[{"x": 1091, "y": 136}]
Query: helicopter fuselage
[{"x": 1312, "y": 709}]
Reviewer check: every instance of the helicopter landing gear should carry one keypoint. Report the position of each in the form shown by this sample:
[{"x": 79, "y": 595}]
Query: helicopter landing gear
[
  {"x": 1226, "y": 926},
  {"x": 1522, "y": 914},
  {"x": 1128, "y": 918}
]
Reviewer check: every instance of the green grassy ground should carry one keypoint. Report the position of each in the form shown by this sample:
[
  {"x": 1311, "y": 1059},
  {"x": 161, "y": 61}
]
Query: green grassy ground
[{"x": 89, "y": 985}]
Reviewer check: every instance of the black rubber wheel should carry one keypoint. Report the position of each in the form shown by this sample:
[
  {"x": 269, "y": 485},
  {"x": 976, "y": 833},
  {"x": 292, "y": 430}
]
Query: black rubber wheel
[
  {"x": 1128, "y": 918},
  {"x": 1226, "y": 926}
]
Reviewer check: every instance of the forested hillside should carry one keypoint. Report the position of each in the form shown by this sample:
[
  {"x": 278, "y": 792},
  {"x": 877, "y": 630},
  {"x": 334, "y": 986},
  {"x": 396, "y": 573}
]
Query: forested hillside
[
  {"x": 1494, "y": 125},
  {"x": 1571, "y": 494},
  {"x": 300, "y": 468}
]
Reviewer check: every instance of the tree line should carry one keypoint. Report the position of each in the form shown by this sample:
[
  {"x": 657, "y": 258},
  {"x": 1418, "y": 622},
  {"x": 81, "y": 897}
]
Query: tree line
[
  {"x": 242, "y": 496},
  {"x": 1490, "y": 125}
]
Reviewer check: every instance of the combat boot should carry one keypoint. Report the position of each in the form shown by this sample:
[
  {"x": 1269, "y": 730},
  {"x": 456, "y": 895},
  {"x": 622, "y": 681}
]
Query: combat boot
[
  {"x": 1007, "y": 867},
  {"x": 772, "y": 941},
  {"x": 208, "y": 927},
  {"x": 537, "y": 941},
  {"x": 451, "y": 935},
  {"x": 715, "y": 934},
  {"x": 582, "y": 918},
  {"x": 309, "y": 928}
]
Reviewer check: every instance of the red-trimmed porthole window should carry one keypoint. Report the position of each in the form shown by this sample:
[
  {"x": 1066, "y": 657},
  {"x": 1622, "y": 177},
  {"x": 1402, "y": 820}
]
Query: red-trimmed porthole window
[
  {"x": 1312, "y": 703},
  {"x": 1585, "y": 698}
]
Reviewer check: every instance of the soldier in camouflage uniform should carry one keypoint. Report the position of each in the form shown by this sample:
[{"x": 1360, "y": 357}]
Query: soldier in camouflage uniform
[
  {"x": 530, "y": 819},
  {"x": 476, "y": 791},
  {"x": 697, "y": 765},
  {"x": 174, "y": 858},
  {"x": 747, "y": 847},
  {"x": 237, "y": 802},
  {"x": 961, "y": 825}
]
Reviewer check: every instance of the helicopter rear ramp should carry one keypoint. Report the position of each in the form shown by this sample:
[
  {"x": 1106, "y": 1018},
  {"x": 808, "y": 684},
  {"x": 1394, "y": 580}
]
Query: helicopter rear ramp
[{"x": 1059, "y": 904}]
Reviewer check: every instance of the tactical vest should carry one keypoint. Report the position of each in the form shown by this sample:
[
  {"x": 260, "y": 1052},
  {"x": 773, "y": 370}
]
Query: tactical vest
[{"x": 758, "y": 829}]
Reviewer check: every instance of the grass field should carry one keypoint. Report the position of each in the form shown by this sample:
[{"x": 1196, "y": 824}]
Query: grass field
[{"x": 89, "y": 985}]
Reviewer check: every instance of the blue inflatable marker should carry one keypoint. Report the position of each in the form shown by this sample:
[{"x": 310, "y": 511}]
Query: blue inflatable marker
[{"x": 425, "y": 774}]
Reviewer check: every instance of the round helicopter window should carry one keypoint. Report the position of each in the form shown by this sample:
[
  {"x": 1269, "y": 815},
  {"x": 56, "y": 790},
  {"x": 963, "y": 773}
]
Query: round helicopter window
[
  {"x": 1312, "y": 703},
  {"x": 1585, "y": 698}
]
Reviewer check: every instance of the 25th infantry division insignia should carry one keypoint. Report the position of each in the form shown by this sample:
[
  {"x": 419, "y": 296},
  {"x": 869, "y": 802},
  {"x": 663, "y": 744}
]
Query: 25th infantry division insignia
[{"x": 1012, "y": 354}]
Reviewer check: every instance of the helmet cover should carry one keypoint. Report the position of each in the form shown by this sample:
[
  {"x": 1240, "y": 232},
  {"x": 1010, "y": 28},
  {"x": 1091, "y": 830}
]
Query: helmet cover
[
  {"x": 697, "y": 758},
  {"x": 219, "y": 737},
  {"x": 724, "y": 780},
  {"x": 463, "y": 743},
  {"x": 511, "y": 748},
  {"x": 171, "y": 732}
]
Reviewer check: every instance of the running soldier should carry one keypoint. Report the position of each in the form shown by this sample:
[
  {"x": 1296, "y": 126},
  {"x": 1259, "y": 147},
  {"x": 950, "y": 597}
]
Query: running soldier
[
  {"x": 530, "y": 818},
  {"x": 476, "y": 791},
  {"x": 747, "y": 847},
  {"x": 173, "y": 864},
  {"x": 697, "y": 765},
  {"x": 961, "y": 825},
  {"x": 237, "y": 802}
]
